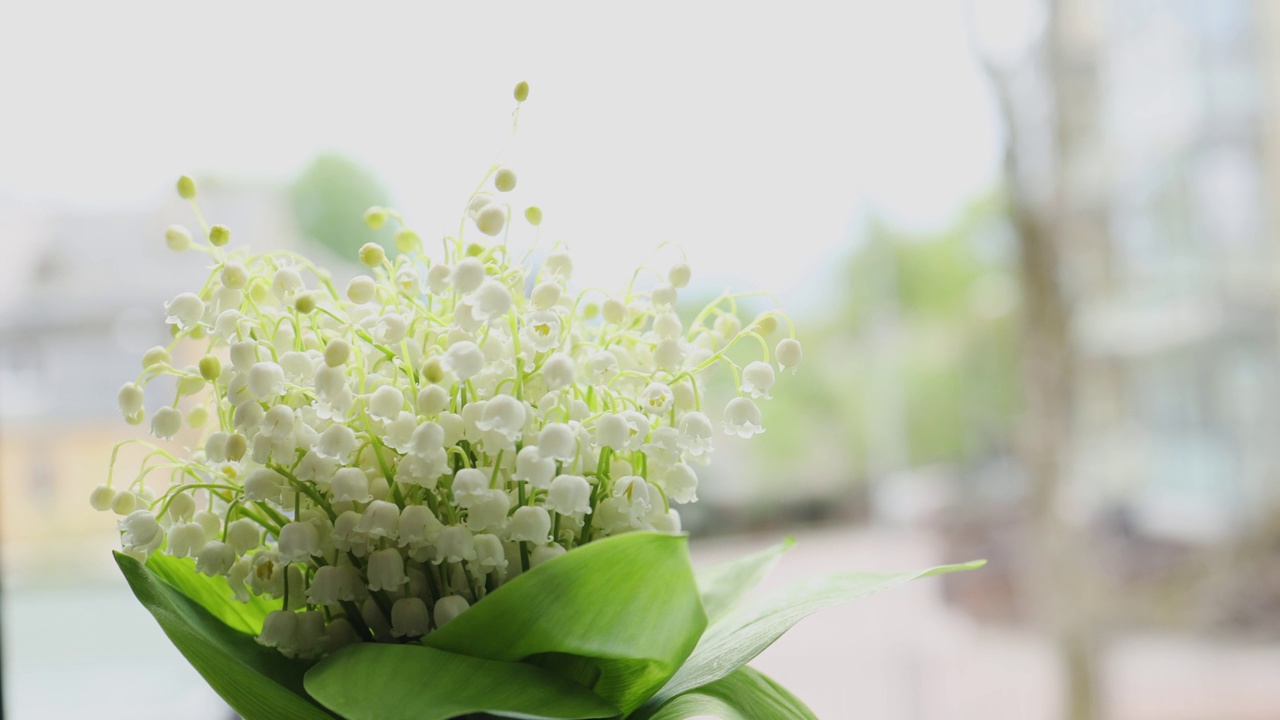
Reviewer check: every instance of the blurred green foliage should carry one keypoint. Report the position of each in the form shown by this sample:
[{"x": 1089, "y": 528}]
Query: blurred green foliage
[
  {"x": 916, "y": 363},
  {"x": 329, "y": 200}
]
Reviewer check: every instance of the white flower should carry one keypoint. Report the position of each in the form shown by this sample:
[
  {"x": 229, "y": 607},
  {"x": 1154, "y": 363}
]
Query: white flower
[
  {"x": 337, "y": 442},
  {"x": 542, "y": 330},
  {"x": 433, "y": 400},
  {"x": 386, "y": 402},
  {"x": 656, "y": 398},
  {"x": 490, "y": 555},
  {"x": 558, "y": 371},
  {"x": 184, "y": 310},
  {"x": 664, "y": 297},
  {"x": 419, "y": 526},
  {"x": 544, "y": 553},
  {"x": 669, "y": 355},
  {"x": 469, "y": 486},
  {"x": 130, "y": 399},
  {"x": 345, "y": 535},
  {"x": 533, "y": 468},
  {"x": 263, "y": 484},
  {"x": 559, "y": 264},
  {"x": 503, "y": 417},
  {"x": 438, "y": 277},
  {"x": 166, "y": 423},
  {"x": 613, "y": 431},
  {"x": 602, "y": 367},
  {"x": 298, "y": 542},
  {"x": 667, "y": 522},
  {"x": 286, "y": 282},
  {"x": 455, "y": 544},
  {"x": 569, "y": 495},
  {"x": 557, "y": 442},
  {"x": 427, "y": 439},
  {"x": 186, "y": 539},
  {"x": 757, "y": 379},
  {"x": 467, "y": 275},
  {"x": 390, "y": 329},
  {"x": 448, "y": 608},
  {"x": 490, "y": 301},
  {"x": 279, "y": 629},
  {"x": 336, "y": 584},
  {"x": 545, "y": 295},
  {"x": 380, "y": 519},
  {"x": 423, "y": 470},
  {"x": 632, "y": 495},
  {"x": 681, "y": 483},
  {"x": 463, "y": 359},
  {"x": 101, "y": 497},
  {"x": 386, "y": 570},
  {"x": 266, "y": 380},
  {"x": 489, "y": 512},
  {"x": 215, "y": 558},
  {"x": 315, "y": 469},
  {"x": 679, "y": 275},
  {"x": 742, "y": 418},
  {"x": 243, "y": 535},
  {"x": 140, "y": 531},
  {"x": 789, "y": 354},
  {"x": 409, "y": 618},
  {"x": 530, "y": 523},
  {"x": 409, "y": 281},
  {"x": 350, "y": 485}
]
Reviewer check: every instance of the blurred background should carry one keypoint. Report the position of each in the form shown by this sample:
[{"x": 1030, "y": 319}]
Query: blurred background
[{"x": 1030, "y": 246}]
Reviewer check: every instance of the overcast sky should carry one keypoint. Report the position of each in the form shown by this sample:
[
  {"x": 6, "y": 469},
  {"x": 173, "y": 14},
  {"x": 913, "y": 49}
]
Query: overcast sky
[{"x": 753, "y": 135}]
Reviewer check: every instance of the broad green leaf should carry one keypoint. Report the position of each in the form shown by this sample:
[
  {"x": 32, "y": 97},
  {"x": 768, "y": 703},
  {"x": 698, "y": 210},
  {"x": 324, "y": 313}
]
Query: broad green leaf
[
  {"x": 628, "y": 604},
  {"x": 258, "y": 682},
  {"x": 724, "y": 585},
  {"x": 370, "y": 681},
  {"x": 744, "y": 694},
  {"x": 212, "y": 593},
  {"x": 747, "y": 631}
]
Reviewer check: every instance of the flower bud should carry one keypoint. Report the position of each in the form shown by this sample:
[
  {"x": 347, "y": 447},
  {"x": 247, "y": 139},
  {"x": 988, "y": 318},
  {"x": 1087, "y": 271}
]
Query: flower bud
[
  {"x": 375, "y": 217},
  {"x": 407, "y": 241},
  {"x": 533, "y": 215},
  {"x": 505, "y": 180},
  {"x": 448, "y": 608},
  {"x": 266, "y": 380},
  {"x": 236, "y": 447},
  {"x": 186, "y": 187},
  {"x": 305, "y": 303},
  {"x": 124, "y": 503},
  {"x": 219, "y": 235},
  {"x": 679, "y": 275},
  {"x": 464, "y": 359},
  {"x": 409, "y": 618},
  {"x": 522, "y": 91},
  {"x": 544, "y": 553},
  {"x": 101, "y": 498},
  {"x": 155, "y": 356},
  {"x": 433, "y": 400},
  {"x": 177, "y": 238},
  {"x": 614, "y": 311},
  {"x": 372, "y": 255},
  {"x": 129, "y": 399},
  {"x": 337, "y": 352},
  {"x": 279, "y": 629},
  {"x": 181, "y": 507},
  {"x": 361, "y": 289},
  {"x": 491, "y": 219},
  {"x": 198, "y": 416},
  {"x": 234, "y": 275},
  {"x": 765, "y": 324},
  {"x": 190, "y": 382},
  {"x": 386, "y": 402}
]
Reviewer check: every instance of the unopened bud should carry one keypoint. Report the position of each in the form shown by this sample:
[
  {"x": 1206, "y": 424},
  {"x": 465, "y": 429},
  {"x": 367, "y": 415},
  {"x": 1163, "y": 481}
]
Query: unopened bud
[
  {"x": 337, "y": 352},
  {"x": 198, "y": 416},
  {"x": 522, "y": 91},
  {"x": 305, "y": 303},
  {"x": 372, "y": 254},
  {"x": 533, "y": 214},
  {"x": 236, "y": 447},
  {"x": 374, "y": 217},
  {"x": 407, "y": 241},
  {"x": 505, "y": 180},
  {"x": 433, "y": 371},
  {"x": 219, "y": 235},
  {"x": 177, "y": 238},
  {"x": 491, "y": 219},
  {"x": 210, "y": 368},
  {"x": 186, "y": 187},
  {"x": 155, "y": 356},
  {"x": 234, "y": 276}
]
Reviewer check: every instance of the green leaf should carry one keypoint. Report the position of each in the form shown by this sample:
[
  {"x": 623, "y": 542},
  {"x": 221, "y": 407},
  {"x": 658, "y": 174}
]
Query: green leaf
[
  {"x": 628, "y": 605},
  {"x": 744, "y": 694},
  {"x": 370, "y": 681},
  {"x": 724, "y": 585},
  {"x": 212, "y": 593},
  {"x": 258, "y": 682},
  {"x": 747, "y": 631}
]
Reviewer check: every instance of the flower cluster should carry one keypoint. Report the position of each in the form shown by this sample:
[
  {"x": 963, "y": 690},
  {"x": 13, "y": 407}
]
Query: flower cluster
[{"x": 380, "y": 456}]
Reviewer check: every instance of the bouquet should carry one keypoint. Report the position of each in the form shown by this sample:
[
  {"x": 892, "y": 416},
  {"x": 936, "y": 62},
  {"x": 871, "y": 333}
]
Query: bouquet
[{"x": 451, "y": 488}]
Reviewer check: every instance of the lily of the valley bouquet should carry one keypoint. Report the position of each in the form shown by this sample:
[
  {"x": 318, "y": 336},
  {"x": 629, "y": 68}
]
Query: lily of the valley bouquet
[{"x": 451, "y": 487}]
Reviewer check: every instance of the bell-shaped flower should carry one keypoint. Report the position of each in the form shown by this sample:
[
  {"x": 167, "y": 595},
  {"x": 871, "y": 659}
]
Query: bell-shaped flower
[
  {"x": 669, "y": 355},
  {"x": 742, "y": 418},
  {"x": 491, "y": 301},
  {"x": 185, "y": 310},
  {"x": 464, "y": 359},
  {"x": 602, "y": 367},
  {"x": 140, "y": 530},
  {"x": 533, "y": 468},
  {"x": 427, "y": 439},
  {"x": 656, "y": 399},
  {"x": 298, "y": 542},
  {"x": 569, "y": 495},
  {"x": 386, "y": 570},
  {"x": 313, "y": 468},
  {"x": 531, "y": 523},
  {"x": 380, "y": 519},
  {"x": 350, "y": 484},
  {"x": 409, "y": 618},
  {"x": 166, "y": 423},
  {"x": 632, "y": 494},
  {"x": 398, "y": 433},
  {"x": 467, "y": 275},
  {"x": 544, "y": 553},
  {"x": 424, "y": 471},
  {"x": 215, "y": 558},
  {"x": 469, "y": 486},
  {"x": 346, "y": 533},
  {"x": 613, "y": 431},
  {"x": 455, "y": 544},
  {"x": 666, "y": 522},
  {"x": 503, "y": 418},
  {"x": 789, "y": 354},
  {"x": 186, "y": 539},
  {"x": 490, "y": 555},
  {"x": 130, "y": 399},
  {"x": 557, "y": 442},
  {"x": 489, "y": 512},
  {"x": 263, "y": 484},
  {"x": 695, "y": 433},
  {"x": 244, "y": 535},
  {"x": 438, "y": 279},
  {"x": 266, "y": 380},
  {"x": 386, "y": 402},
  {"x": 680, "y": 483},
  {"x": 337, "y": 442},
  {"x": 279, "y": 629},
  {"x": 449, "y": 607},
  {"x": 336, "y": 584},
  {"x": 418, "y": 526},
  {"x": 433, "y": 400},
  {"x": 542, "y": 330},
  {"x": 558, "y": 371},
  {"x": 757, "y": 379}
]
